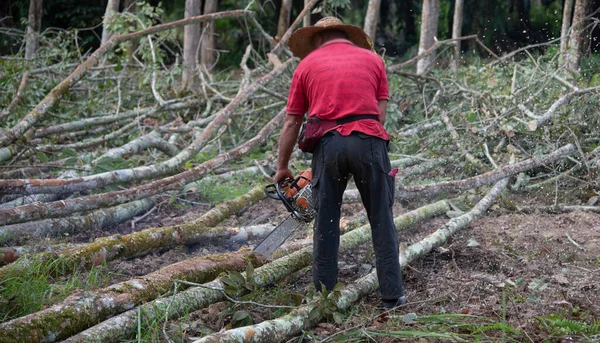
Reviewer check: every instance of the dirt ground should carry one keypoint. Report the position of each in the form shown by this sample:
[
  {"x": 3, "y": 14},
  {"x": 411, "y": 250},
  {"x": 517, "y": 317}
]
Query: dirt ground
[{"x": 507, "y": 266}]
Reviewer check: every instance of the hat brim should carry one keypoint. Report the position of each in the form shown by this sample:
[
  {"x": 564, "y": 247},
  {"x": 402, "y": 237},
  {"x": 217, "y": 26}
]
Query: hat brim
[{"x": 300, "y": 42}]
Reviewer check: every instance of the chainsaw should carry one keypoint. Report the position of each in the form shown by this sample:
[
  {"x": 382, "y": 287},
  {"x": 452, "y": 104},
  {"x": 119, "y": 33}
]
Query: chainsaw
[{"x": 298, "y": 200}]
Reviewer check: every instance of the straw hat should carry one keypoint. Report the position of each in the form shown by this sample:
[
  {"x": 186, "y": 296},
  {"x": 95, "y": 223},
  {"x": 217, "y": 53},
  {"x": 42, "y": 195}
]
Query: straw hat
[{"x": 300, "y": 42}]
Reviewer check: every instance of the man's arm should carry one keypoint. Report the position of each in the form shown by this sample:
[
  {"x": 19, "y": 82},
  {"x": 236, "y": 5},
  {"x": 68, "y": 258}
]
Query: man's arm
[
  {"x": 287, "y": 141},
  {"x": 382, "y": 104}
]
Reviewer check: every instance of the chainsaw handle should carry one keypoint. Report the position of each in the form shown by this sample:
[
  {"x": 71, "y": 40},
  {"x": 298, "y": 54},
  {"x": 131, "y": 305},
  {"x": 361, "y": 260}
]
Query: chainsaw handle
[{"x": 274, "y": 191}]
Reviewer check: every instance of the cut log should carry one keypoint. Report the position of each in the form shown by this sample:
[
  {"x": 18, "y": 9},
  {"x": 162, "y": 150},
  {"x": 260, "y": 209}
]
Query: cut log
[
  {"x": 72, "y": 225},
  {"x": 194, "y": 298},
  {"x": 68, "y": 206},
  {"x": 299, "y": 319},
  {"x": 57, "y": 92},
  {"x": 114, "y": 247},
  {"x": 84, "y": 309}
]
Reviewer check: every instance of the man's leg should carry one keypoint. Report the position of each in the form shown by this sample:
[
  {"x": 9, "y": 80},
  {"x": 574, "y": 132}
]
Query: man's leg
[
  {"x": 329, "y": 183},
  {"x": 370, "y": 165}
]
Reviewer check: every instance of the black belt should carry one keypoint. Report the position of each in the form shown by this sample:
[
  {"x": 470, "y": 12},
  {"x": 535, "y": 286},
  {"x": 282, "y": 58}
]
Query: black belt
[{"x": 350, "y": 119}]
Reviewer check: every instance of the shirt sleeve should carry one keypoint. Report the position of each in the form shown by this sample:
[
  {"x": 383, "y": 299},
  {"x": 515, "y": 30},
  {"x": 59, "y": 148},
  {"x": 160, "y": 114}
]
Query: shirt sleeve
[
  {"x": 382, "y": 90},
  {"x": 297, "y": 103}
]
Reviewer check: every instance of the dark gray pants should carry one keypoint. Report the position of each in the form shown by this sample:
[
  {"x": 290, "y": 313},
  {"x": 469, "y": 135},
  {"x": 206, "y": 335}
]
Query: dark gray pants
[{"x": 366, "y": 158}]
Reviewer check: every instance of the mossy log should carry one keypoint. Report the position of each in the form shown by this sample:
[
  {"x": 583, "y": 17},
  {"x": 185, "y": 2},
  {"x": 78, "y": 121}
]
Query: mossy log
[
  {"x": 194, "y": 298},
  {"x": 114, "y": 247},
  {"x": 53, "y": 98},
  {"x": 277, "y": 330},
  {"x": 84, "y": 309},
  {"x": 55, "y": 227},
  {"x": 69, "y": 206}
]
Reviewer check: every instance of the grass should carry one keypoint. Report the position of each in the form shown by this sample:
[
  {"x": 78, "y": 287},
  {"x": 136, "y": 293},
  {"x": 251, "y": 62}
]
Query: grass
[{"x": 36, "y": 288}]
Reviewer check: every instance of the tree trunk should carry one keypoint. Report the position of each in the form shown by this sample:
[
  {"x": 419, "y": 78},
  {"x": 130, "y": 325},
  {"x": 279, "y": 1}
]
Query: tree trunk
[
  {"x": 429, "y": 26},
  {"x": 125, "y": 325},
  {"x": 109, "y": 248},
  {"x": 207, "y": 53},
  {"x": 372, "y": 18},
  {"x": 191, "y": 39},
  {"x": 279, "y": 329},
  {"x": 54, "y": 96},
  {"x": 457, "y": 32},
  {"x": 306, "y": 19},
  {"x": 577, "y": 37},
  {"x": 33, "y": 28},
  {"x": 112, "y": 7},
  {"x": 132, "y": 45},
  {"x": 564, "y": 32},
  {"x": 284, "y": 17},
  {"x": 93, "y": 307}
]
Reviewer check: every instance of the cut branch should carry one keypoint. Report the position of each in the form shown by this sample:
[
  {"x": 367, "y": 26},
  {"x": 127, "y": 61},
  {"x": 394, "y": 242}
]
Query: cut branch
[{"x": 68, "y": 206}]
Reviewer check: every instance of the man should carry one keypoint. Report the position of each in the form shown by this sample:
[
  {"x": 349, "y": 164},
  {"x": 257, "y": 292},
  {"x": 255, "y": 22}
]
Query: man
[{"x": 343, "y": 82}]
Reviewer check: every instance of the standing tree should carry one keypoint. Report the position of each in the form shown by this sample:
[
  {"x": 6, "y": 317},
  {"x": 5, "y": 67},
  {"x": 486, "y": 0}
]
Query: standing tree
[
  {"x": 372, "y": 18},
  {"x": 132, "y": 44},
  {"x": 577, "y": 37},
  {"x": 207, "y": 54},
  {"x": 456, "y": 32},
  {"x": 191, "y": 37},
  {"x": 284, "y": 17},
  {"x": 33, "y": 28},
  {"x": 564, "y": 32},
  {"x": 111, "y": 7},
  {"x": 429, "y": 26},
  {"x": 306, "y": 19}
]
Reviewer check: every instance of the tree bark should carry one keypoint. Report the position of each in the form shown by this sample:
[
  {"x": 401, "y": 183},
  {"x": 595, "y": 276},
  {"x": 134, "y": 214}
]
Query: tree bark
[
  {"x": 11, "y": 254},
  {"x": 33, "y": 28},
  {"x": 577, "y": 36},
  {"x": 564, "y": 32},
  {"x": 92, "y": 307},
  {"x": 457, "y": 32},
  {"x": 191, "y": 39},
  {"x": 207, "y": 53},
  {"x": 372, "y": 18},
  {"x": 112, "y": 7},
  {"x": 429, "y": 26},
  {"x": 279, "y": 329},
  {"x": 132, "y": 45},
  {"x": 109, "y": 248},
  {"x": 306, "y": 18},
  {"x": 284, "y": 17},
  {"x": 76, "y": 224},
  {"x": 53, "y": 98},
  {"x": 125, "y": 325}
]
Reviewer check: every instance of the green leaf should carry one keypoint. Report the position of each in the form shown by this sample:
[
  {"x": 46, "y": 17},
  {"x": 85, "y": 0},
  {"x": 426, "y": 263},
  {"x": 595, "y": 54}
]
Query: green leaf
[
  {"x": 338, "y": 318},
  {"x": 69, "y": 153},
  {"x": 241, "y": 318},
  {"x": 237, "y": 277},
  {"x": 42, "y": 157},
  {"x": 314, "y": 314},
  {"x": 339, "y": 287},
  {"x": 70, "y": 161},
  {"x": 249, "y": 271}
]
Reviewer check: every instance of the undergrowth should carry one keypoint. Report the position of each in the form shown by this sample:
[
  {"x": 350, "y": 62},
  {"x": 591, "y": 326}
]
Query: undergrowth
[{"x": 36, "y": 287}]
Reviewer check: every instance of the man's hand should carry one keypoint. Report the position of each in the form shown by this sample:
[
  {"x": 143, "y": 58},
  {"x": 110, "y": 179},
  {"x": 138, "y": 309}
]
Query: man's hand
[{"x": 282, "y": 174}]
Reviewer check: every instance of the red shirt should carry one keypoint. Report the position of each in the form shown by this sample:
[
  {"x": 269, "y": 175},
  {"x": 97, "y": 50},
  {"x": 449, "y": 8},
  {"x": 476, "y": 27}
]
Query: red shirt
[{"x": 338, "y": 80}]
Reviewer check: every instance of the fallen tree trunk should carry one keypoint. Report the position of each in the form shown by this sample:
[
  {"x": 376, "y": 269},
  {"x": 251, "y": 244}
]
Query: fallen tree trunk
[
  {"x": 11, "y": 254},
  {"x": 170, "y": 166},
  {"x": 85, "y": 309},
  {"x": 109, "y": 248},
  {"x": 194, "y": 298},
  {"x": 57, "y": 92},
  {"x": 68, "y": 206},
  {"x": 446, "y": 187},
  {"x": 97, "y": 121},
  {"x": 299, "y": 319},
  {"x": 56, "y": 227}
]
